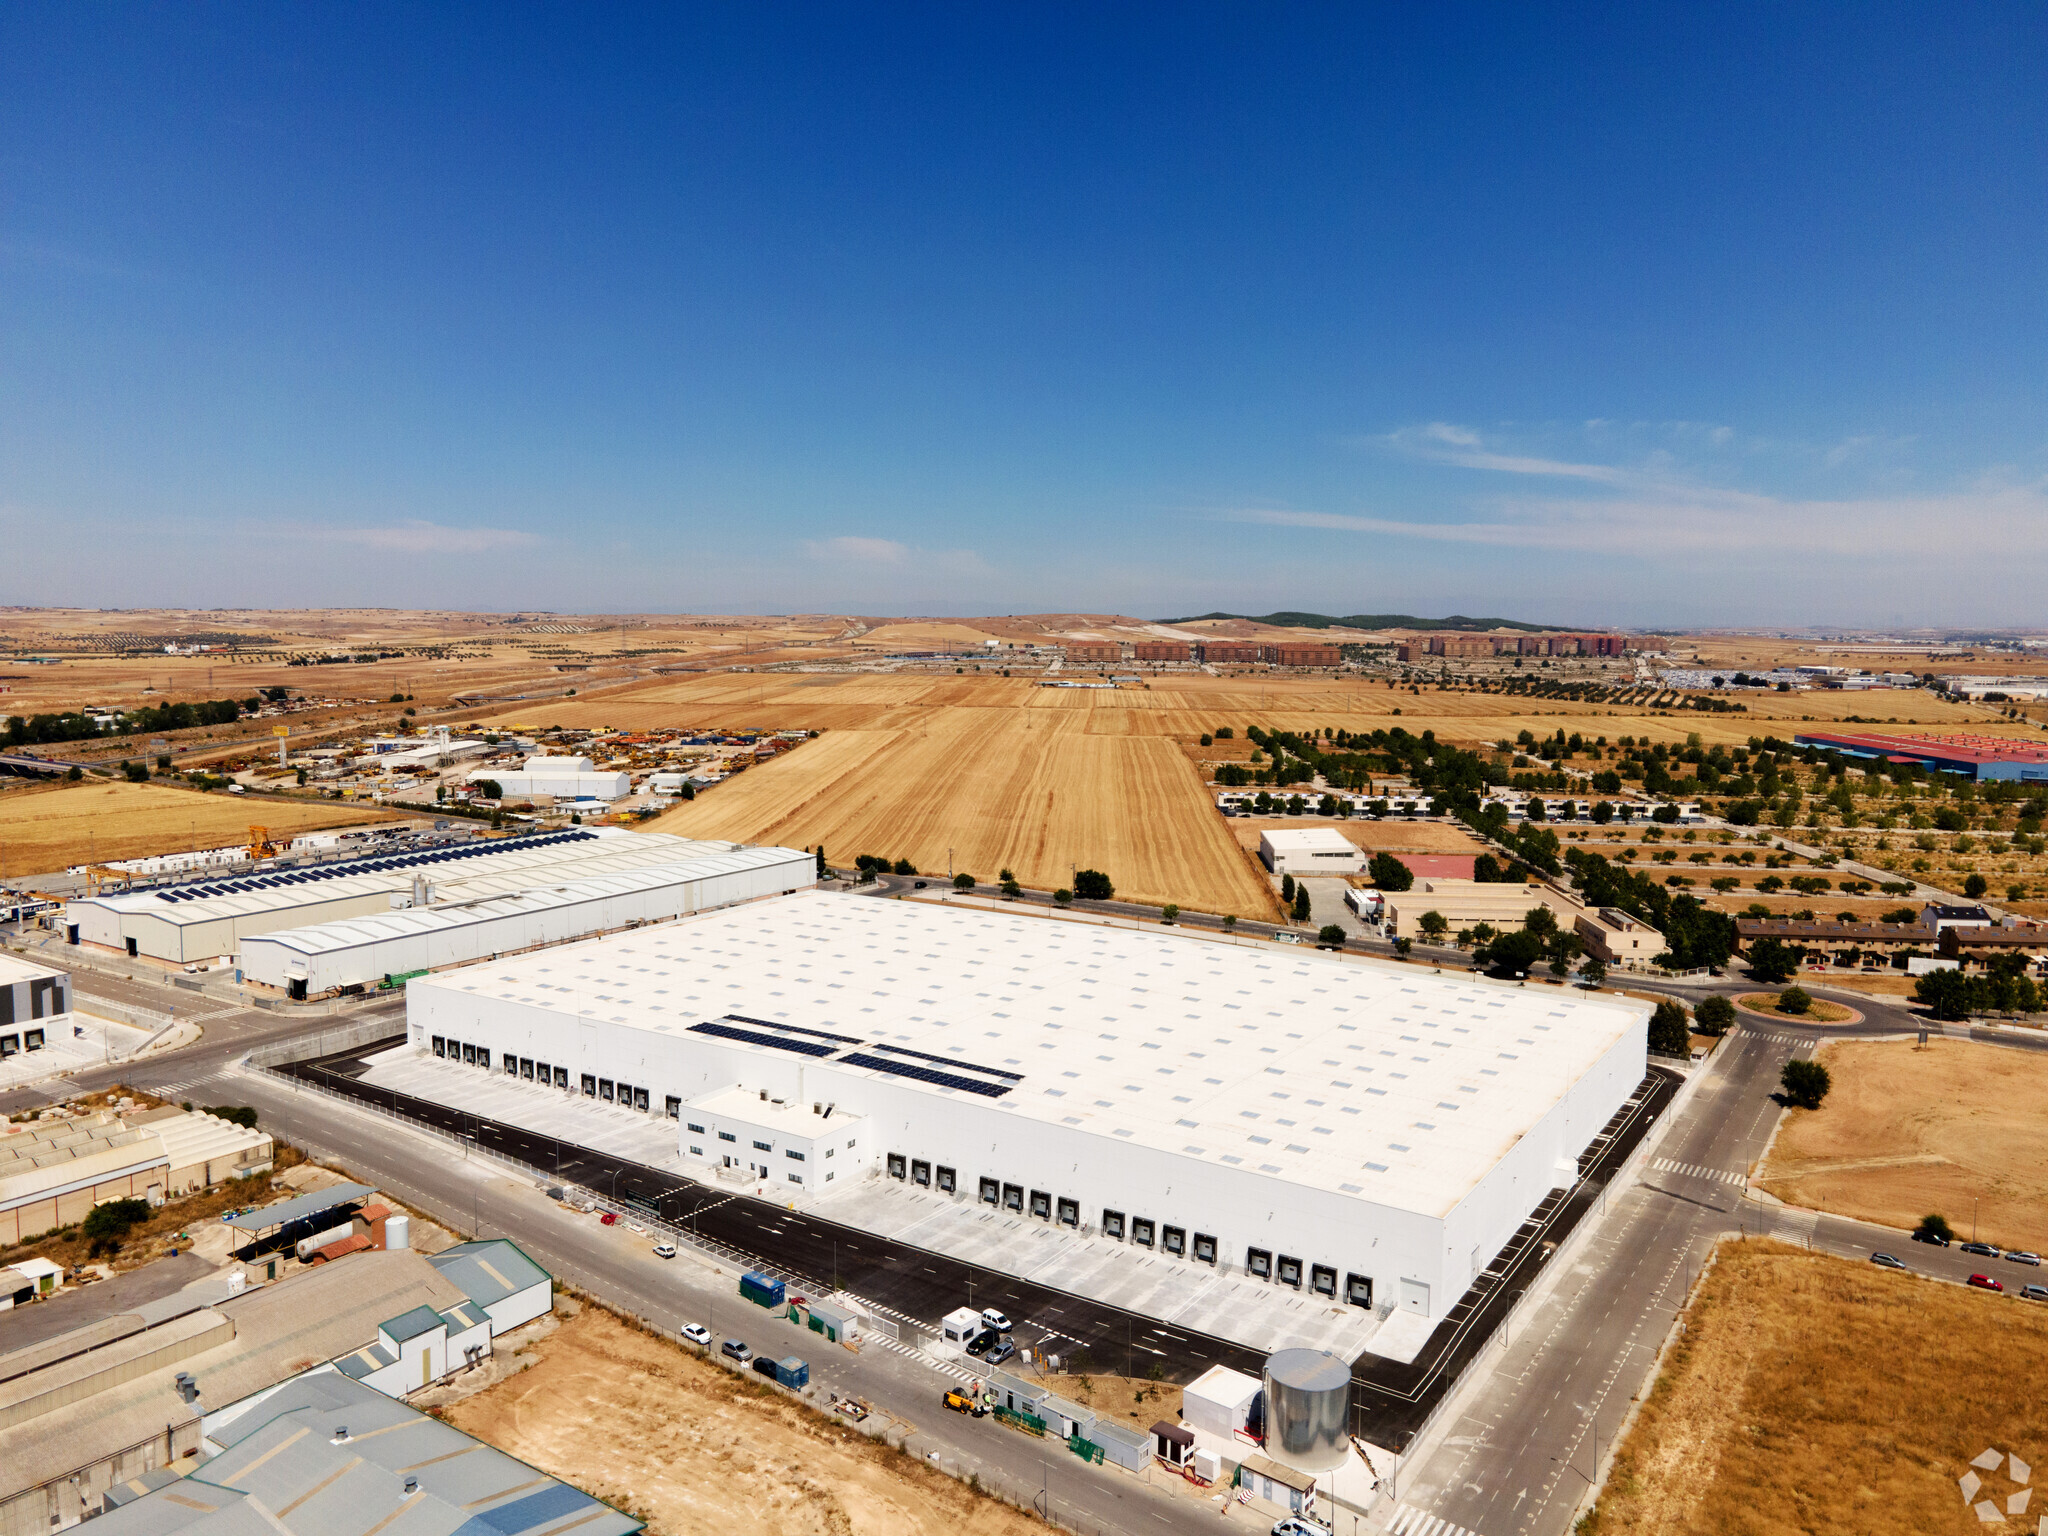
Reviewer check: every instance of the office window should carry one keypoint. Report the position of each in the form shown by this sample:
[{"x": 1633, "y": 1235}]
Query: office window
[
  {"x": 898, "y": 1166},
  {"x": 1041, "y": 1204},
  {"x": 764, "y": 1146},
  {"x": 947, "y": 1179},
  {"x": 696, "y": 1151},
  {"x": 728, "y": 1136},
  {"x": 1113, "y": 1224},
  {"x": 696, "y": 1130},
  {"x": 991, "y": 1192},
  {"x": 674, "y": 1106},
  {"x": 1173, "y": 1240},
  {"x": 1205, "y": 1248},
  {"x": 604, "y": 1089},
  {"x": 589, "y": 1086},
  {"x": 850, "y": 1144},
  {"x": 792, "y": 1152},
  {"x": 921, "y": 1172},
  {"x": 1141, "y": 1231},
  {"x": 1013, "y": 1197},
  {"x": 1288, "y": 1271},
  {"x": 1323, "y": 1280},
  {"x": 830, "y": 1150},
  {"x": 1258, "y": 1261},
  {"x": 1069, "y": 1212},
  {"x": 796, "y": 1178}
]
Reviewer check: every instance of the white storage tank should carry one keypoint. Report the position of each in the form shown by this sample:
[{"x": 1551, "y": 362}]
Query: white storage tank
[
  {"x": 398, "y": 1230},
  {"x": 1308, "y": 1408}
]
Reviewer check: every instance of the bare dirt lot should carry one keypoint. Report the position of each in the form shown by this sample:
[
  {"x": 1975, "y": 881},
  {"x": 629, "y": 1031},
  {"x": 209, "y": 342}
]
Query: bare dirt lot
[
  {"x": 1954, "y": 1128},
  {"x": 697, "y": 1450},
  {"x": 1816, "y": 1394},
  {"x": 48, "y": 829}
]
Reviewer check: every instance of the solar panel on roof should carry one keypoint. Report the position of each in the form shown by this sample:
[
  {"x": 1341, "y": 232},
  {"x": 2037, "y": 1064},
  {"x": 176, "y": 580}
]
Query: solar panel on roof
[
  {"x": 798, "y": 1029},
  {"x": 756, "y": 1037},
  {"x": 923, "y": 1074},
  {"x": 948, "y": 1061}
]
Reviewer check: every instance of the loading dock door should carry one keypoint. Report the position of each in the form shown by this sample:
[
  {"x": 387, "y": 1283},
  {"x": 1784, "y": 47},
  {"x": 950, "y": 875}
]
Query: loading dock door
[{"x": 1415, "y": 1297}]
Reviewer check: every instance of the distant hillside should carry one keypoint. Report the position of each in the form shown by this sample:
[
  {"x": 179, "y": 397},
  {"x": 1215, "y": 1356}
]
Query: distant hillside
[{"x": 1365, "y": 621}]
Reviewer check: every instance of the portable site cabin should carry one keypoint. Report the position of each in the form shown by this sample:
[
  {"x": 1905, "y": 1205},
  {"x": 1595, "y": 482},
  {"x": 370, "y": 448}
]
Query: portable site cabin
[
  {"x": 762, "y": 1290},
  {"x": 960, "y": 1327},
  {"x": 1130, "y": 1449},
  {"x": 26, "y": 1280},
  {"x": 1289, "y": 1489},
  {"x": 835, "y": 1323},
  {"x": 1016, "y": 1394},
  {"x": 1067, "y": 1419}
]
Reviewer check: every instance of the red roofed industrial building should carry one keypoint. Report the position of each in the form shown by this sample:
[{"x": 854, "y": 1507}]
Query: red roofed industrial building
[{"x": 1974, "y": 757}]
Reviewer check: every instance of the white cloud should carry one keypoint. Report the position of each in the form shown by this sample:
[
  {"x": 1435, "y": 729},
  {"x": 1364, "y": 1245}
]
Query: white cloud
[
  {"x": 417, "y": 537},
  {"x": 851, "y": 547}
]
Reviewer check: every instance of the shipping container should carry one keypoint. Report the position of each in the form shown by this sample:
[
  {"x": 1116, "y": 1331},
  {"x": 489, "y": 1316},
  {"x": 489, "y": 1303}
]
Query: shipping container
[
  {"x": 762, "y": 1290},
  {"x": 792, "y": 1373}
]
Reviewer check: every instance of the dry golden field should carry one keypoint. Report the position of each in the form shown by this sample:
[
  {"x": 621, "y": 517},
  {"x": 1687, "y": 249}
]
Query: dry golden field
[
  {"x": 48, "y": 829},
  {"x": 1953, "y": 1128},
  {"x": 983, "y": 790},
  {"x": 1818, "y": 1395}
]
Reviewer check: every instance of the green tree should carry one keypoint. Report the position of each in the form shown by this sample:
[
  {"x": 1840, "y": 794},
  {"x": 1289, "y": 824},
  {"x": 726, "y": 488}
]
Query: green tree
[
  {"x": 1935, "y": 1226},
  {"x": 823, "y": 871},
  {"x": 1434, "y": 926},
  {"x": 1301, "y": 903},
  {"x": 1331, "y": 934},
  {"x": 1540, "y": 921},
  {"x": 1594, "y": 970},
  {"x": 1230, "y": 922},
  {"x": 1093, "y": 885},
  {"x": 1063, "y": 897},
  {"x": 1170, "y": 911},
  {"x": 1945, "y": 994},
  {"x": 1287, "y": 890},
  {"x": 1668, "y": 1034},
  {"x": 237, "y": 1114},
  {"x": 1975, "y": 886},
  {"x": 1389, "y": 873},
  {"x": 1011, "y": 889},
  {"x": 1795, "y": 1000},
  {"x": 963, "y": 881},
  {"x": 905, "y": 867},
  {"x": 1773, "y": 960},
  {"x": 1805, "y": 1083},
  {"x": 106, "y": 1225},
  {"x": 490, "y": 789},
  {"x": 1510, "y": 953},
  {"x": 1714, "y": 1016}
]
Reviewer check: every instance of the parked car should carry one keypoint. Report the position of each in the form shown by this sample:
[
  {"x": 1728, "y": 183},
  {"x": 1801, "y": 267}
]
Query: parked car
[
  {"x": 983, "y": 1342},
  {"x": 664, "y": 1250},
  {"x": 992, "y": 1318},
  {"x": 735, "y": 1350},
  {"x": 1981, "y": 1250},
  {"x": 697, "y": 1334},
  {"x": 1004, "y": 1350},
  {"x": 1295, "y": 1525},
  {"x": 1886, "y": 1261},
  {"x": 1925, "y": 1236},
  {"x": 2034, "y": 1292},
  {"x": 2021, "y": 1256},
  {"x": 1986, "y": 1283},
  {"x": 609, "y": 1219}
]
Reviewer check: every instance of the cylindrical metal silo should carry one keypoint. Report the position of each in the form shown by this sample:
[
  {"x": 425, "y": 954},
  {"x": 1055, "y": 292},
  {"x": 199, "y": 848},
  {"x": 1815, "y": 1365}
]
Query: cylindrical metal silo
[
  {"x": 398, "y": 1230},
  {"x": 1308, "y": 1408}
]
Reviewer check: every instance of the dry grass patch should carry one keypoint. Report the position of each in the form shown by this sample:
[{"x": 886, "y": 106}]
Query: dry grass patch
[
  {"x": 1817, "y": 1010},
  {"x": 1815, "y": 1394},
  {"x": 50, "y": 829},
  {"x": 1952, "y": 1127},
  {"x": 697, "y": 1450}
]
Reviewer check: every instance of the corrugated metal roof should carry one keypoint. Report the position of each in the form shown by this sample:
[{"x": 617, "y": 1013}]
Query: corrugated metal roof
[
  {"x": 489, "y": 1271},
  {"x": 287, "y": 1211}
]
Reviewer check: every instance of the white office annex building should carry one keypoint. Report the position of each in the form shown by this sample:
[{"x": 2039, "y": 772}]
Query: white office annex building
[{"x": 1370, "y": 1131}]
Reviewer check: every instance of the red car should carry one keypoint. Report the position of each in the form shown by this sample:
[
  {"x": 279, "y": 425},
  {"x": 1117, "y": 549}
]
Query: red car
[
  {"x": 1986, "y": 1283},
  {"x": 608, "y": 1219}
]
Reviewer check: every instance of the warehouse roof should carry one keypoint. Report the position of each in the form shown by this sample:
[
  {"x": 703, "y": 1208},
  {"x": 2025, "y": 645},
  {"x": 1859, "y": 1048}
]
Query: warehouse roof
[
  {"x": 1370, "y": 1078},
  {"x": 336, "y": 1458},
  {"x": 299, "y": 1207},
  {"x": 1308, "y": 840},
  {"x": 13, "y": 968},
  {"x": 489, "y": 1271},
  {"x": 474, "y": 872},
  {"x": 705, "y": 862}
]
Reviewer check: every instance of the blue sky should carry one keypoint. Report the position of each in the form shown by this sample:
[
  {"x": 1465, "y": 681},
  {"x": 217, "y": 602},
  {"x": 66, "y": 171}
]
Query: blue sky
[{"x": 1647, "y": 315}]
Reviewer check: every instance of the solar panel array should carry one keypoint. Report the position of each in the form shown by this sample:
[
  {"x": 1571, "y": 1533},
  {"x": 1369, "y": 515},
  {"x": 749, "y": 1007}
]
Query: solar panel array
[
  {"x": 923, "y": 1074},
  {"x": 375, "y": 864},
  {"x": 756, "y": 1037},
  {"x": 741, "y": 1018},
  {"x": 948, "y": 1061}
]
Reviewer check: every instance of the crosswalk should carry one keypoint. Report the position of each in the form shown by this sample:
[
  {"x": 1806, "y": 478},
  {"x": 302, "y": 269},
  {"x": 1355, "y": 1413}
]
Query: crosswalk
[
  {"x": 171, "y": 1090},
  {"x": 1410, "y": 1521},
  {"x": 911, "y": 1352},
  {"x": 1696, "y": 1171},
  {"x": 1779, "y": 1037}
]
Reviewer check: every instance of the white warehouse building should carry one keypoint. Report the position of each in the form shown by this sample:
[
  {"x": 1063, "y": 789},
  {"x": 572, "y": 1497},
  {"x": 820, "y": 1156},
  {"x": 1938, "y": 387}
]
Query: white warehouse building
[
  {"x": 1310, "y": 851},
  {"x": 565, "y": 778},
  {"x": 1366, "y": 1131}
]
